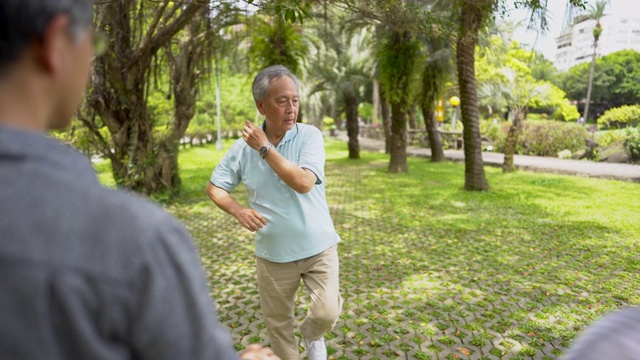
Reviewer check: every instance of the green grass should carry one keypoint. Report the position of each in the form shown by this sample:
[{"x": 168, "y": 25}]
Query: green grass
[{"x": 428, "y": 268}]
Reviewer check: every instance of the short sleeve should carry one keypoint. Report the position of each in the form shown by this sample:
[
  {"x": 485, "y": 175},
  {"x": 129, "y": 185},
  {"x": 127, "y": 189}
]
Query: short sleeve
[
  {"x": 227, "y": 175},
  {"x": 312, "y": 155}
]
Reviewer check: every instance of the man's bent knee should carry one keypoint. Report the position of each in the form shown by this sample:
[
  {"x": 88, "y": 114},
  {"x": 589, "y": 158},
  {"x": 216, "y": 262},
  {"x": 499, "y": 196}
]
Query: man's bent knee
[{"x": 327, "y": 314}]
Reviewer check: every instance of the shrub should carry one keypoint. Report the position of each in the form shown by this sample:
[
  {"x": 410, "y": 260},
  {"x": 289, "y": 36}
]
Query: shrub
[
  {"x": 365, "y": 110},
  {"x": 328, "y": 121},
  {"x": 620, "y": 117},
  {"x": 606, "y": 138},
  {"x": 492, "y": 130},
  {"x": 632, "y": 144},
  {"x": 566, "y": 112},
  {"x": 565, "y": 154},
  {"x": 536, "y": 116},
  {"x": 546, "y": 138}
]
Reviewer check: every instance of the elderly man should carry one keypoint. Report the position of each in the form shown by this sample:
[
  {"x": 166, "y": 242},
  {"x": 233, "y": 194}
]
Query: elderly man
[
  {"x": 87, "y": 272},
  {"x": 281, "y": 165}
]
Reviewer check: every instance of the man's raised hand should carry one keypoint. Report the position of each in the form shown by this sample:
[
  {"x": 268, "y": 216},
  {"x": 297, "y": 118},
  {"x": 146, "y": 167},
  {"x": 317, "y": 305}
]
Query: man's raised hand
[{"x": 254, "y": 136}]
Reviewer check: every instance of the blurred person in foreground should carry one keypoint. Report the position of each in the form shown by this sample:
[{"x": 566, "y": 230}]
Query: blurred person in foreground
[
  {"x": 87, "y": 272},
  {"x": 281, "y": 164},
  {"x": 616, "y": 336}
]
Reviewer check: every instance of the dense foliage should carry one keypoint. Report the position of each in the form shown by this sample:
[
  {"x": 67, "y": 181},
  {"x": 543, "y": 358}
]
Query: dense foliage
[
  {"x": 542, "y": 138},
  {"x": 616, "y": 80},
  {"x": 621, "y": 117},
  {"x": 511, "y": 78},
  {"x": 632, "y": 144}
]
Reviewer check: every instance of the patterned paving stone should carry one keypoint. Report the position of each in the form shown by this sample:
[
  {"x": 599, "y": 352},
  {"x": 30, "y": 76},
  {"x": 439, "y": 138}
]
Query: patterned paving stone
[{"x": 415, "y": 292}]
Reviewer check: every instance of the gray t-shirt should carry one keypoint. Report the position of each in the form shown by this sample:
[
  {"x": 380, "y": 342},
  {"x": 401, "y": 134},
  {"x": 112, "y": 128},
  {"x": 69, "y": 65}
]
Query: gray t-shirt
[{"x": 92, "y": 273}]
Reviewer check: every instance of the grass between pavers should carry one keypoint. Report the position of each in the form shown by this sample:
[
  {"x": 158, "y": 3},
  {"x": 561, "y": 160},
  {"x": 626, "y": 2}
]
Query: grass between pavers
[{"x": 430, "y": 271}]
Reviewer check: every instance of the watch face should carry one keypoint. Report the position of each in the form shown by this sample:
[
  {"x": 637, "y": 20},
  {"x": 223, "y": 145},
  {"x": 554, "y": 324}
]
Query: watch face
[{"x": 263, "y": 150}]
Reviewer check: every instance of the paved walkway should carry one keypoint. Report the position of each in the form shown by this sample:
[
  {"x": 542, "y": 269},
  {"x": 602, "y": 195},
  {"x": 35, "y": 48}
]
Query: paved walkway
[{"x": 624, "y": 172}]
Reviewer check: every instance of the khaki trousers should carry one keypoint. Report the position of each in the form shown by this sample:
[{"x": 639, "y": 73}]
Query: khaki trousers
[{"x": 278, "y": 284}]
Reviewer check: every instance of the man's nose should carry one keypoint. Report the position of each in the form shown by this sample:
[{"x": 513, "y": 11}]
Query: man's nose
[{"x": 291, "y": 106}]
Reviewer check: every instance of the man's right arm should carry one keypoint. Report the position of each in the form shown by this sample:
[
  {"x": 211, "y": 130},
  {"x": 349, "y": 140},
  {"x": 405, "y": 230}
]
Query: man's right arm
[{"x": 247, "y": 217}]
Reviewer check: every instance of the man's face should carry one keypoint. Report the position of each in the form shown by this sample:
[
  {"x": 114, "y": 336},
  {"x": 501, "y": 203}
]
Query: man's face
[{"x": 281, "y": 106}]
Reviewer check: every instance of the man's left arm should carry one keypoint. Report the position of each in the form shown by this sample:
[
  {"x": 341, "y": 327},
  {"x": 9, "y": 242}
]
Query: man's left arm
[{"x": 298, "y": 178}]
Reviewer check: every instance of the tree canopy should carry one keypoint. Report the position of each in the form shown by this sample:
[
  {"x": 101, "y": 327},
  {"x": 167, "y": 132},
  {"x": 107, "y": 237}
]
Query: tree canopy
[{"x": 616, "y": 80}]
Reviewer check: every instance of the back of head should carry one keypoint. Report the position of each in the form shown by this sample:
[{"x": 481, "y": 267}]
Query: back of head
[
  {"x": 263, "y": 80},
  {"x": 23, "y": 21},
  {"x": 616, "y": 336}
]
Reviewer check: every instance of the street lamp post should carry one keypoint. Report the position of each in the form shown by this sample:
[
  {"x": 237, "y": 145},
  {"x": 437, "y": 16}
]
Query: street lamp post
[
  {"x": 219, "y": 138},
  {"x": 454, "y": 101}
]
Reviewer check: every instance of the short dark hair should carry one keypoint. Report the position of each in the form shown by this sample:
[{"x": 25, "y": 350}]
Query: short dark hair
[
  {"x": 262, "y": 82},
  {"x": 22, "y": 21}
]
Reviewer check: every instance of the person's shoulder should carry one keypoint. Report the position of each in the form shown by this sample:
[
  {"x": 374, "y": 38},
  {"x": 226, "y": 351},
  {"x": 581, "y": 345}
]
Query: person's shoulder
[
  {"x": 135, "y": 211},
  {"x": 137, "y": 225},
  {"x": 120, "y": 217},
  {"x": 308, "y": 130},
  {"x": 238, "y": 146}
]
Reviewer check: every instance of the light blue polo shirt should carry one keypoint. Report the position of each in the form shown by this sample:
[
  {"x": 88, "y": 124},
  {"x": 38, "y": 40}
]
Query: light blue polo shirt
[{"x": 298, "y": 225}]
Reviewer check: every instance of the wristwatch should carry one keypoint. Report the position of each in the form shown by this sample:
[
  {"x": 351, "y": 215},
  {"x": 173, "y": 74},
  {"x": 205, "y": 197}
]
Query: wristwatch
[{"x": 265, "y": 150}]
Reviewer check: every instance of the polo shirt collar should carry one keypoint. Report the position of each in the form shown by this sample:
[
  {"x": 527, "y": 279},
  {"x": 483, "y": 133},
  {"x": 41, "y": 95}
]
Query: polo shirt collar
[{"x": 289, "y": 135}]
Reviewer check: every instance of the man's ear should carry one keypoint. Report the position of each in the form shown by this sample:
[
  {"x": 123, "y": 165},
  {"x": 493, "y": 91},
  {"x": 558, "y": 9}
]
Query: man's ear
[
  {"x": 51, "y": 51},
  {"x": 260, "y": 106}
]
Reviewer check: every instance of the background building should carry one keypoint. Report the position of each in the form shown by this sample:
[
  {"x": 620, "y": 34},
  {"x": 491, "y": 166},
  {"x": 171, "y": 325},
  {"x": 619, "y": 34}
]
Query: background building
[{"x": 620, "y": 31}]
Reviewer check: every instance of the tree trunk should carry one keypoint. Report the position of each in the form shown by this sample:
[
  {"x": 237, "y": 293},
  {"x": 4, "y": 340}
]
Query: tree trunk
[
  {"x": 400, "y": 41},
  {"x": 413, "y": 120},
  {"x": 351, "y": 109},
  {"x": 471, "y": 15},
  {"x": 185, "y": 91},
  {"x": 398, "y": 161},
  {"x": 386, "y": 121},
  {"x": 431, "y": 125},
  {"x": 140, "y": 161},
  {"x": 512, "y": 143},
  {"x": 376, "y": 102},
  {"x": 433, "y": 82},
  {"x": 590, "y": 85}
]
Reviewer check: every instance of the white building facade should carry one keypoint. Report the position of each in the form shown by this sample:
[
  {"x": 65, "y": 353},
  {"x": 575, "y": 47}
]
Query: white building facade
[{"x": 620, "y": 31}]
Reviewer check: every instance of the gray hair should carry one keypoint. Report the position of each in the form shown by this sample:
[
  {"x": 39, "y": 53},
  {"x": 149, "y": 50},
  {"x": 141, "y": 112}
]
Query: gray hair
[
  {"x": 22, "y": 21},
  {"x": 262, "y": 82},
  {"x": 616, "y": 336}
]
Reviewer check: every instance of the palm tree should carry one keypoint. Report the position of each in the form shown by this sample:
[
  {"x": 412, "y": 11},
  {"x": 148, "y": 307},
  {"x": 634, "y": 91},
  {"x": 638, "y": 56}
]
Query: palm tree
[
  {"x": 342, "y": 66},
  {"x": 514, "y": 90},
  {"x": 473, "y": 13},
  {"x": 595, "y": 13},
  {"x": 275, "y": 41},
  {"x": 435, "y": 74},
  {"x": 399, "y": 56}
]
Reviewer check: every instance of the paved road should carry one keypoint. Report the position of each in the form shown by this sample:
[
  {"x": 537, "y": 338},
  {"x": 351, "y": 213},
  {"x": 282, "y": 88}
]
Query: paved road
[{"x": 624, "y": 172}]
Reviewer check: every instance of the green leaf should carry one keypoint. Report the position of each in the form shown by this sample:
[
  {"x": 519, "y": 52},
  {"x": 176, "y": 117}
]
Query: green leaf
[
  {"x": 301, "y": 17},
  {"x": 290, "y": 15}
]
